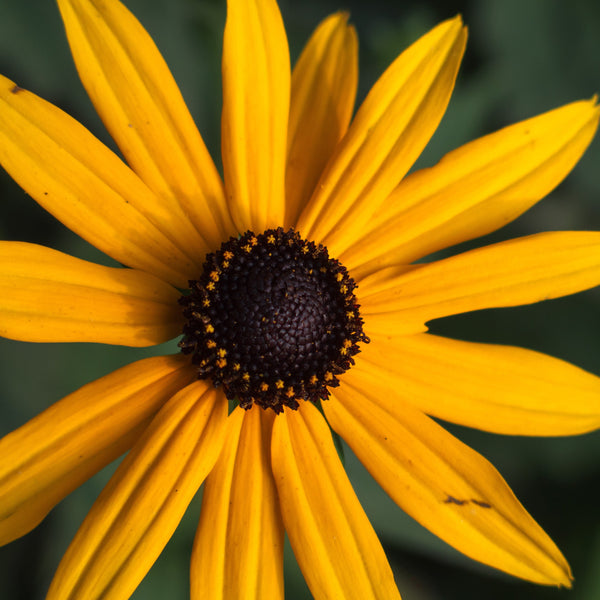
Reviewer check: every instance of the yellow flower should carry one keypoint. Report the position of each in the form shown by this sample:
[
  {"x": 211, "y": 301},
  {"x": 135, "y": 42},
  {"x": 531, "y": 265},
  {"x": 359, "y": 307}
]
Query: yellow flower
[{"x": 335, "y": 310}]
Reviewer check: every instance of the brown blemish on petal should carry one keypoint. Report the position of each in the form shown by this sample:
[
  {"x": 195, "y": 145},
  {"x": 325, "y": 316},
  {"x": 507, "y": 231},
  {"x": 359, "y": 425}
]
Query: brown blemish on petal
[
  {"x": 452, "y": 500},
  {"x": 16, "y": 89}
]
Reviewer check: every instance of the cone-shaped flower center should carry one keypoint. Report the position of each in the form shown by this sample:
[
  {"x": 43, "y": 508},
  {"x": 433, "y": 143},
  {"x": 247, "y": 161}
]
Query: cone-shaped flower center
[{"x": 272, "y": 319}]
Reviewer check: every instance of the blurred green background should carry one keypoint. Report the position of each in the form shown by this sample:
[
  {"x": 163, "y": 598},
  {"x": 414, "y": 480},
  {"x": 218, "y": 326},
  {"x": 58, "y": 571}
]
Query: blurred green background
[{"x": 524, "y": 57}]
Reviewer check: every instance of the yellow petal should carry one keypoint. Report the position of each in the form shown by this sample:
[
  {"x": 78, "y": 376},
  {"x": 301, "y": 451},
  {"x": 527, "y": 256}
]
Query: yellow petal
[
  {"x": 502, "y": 389},
  {"x": 136, "y": 96},
  {"x": 385, "y": 325},
  {"x": 476, "y": 189},
  {"x": 238, "y": 550},
  {"x": 334, "y": 543},
  {"x": 324, "y": 84},
  {"x": 256, "y": 92},
  {"x": 82, "y": 183},
  {"x": 47, "y": 458},
  {"x": 48, "y": 296},
  {"x": 443, "y": 484},
  {"x": 142, "y": 504},
  {"x": 390, "y": 130},
  {"x": 519, "y": 271}
]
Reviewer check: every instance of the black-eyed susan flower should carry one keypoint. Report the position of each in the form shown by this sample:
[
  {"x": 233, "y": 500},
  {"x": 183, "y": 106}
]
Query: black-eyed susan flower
[{"x": 294, "y": 284}]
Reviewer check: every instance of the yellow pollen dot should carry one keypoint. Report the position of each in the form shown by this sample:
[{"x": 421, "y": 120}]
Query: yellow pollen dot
[
  {"x": 237, "y": 366},
  {"x": 271, "y": 239},
  {"x": 222, "y": 352},
  {"x": 289, "y": 392},
  {"x": 214, "y": 275},
  {"x": 221, "y": 362},
  {"x": 347, "y": 345},
  {"x": 228, "y": 255},
  {"x": 209, "y": 328},
  {"x": 206, "y": 302},
  {"x": 210, "y": 286},
  {"x": 225, "y": 264},
  {"x": 253, "y": 241},
  {"x": 304, "y": 249},
  {"x": 350, "y": 314},
  {"x": 246, "y": 376},
  {"x": 323, "y": 270},
  {"x": 328, "y": 376},
  {"x": 247, "y": 248},
  {"x": 343, "y": 288},
  {"x": 211, "y": 344},
  {"x": 339, "y": 276},
  {"x": 314, "y": 379},
  {"x": 264, "y": 386},
  {"x": 279, "y": 384}
]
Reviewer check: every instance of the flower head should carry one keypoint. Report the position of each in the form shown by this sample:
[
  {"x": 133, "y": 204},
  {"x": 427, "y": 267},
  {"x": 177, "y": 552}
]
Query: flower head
[{"x": 294, "y": 286}]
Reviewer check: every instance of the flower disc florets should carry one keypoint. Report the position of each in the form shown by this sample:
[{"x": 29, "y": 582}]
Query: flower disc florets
[{"x": 272, "y": 319}]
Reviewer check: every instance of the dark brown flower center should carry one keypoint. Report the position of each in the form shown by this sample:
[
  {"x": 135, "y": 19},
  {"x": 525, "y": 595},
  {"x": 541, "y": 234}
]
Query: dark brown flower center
[{"x": 272, "y": 319}]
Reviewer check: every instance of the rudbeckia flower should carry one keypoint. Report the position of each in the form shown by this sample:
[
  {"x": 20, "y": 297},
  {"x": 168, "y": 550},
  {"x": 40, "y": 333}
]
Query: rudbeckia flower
[{"x": 300, "y": 289}]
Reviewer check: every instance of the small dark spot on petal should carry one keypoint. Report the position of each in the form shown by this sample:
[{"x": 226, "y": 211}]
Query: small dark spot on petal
[
  {"x": 16, "y": 89},
  {"x": 480, "y": 503},
  {"x": 453, "y": 500}
]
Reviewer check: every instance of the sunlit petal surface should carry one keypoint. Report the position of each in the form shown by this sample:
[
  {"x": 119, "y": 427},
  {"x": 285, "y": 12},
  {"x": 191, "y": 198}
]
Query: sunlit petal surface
[
  {"x": 475, "y": 189},
  {"x": 86, "y": 186},
  {"x": 149, "y": 492},
  {"x": 256, "y": 100},
  {"x": 519, "y": 271},
  {"x": 150, "y": 122},
  {"x": 334, "y": 543},
  {"x": 324, "y": 83},
  {"x": 390, "y": 130},
  {"x": 444, "y": 484},
  {"x": 51, "y": 455},
  {"x": 48, "y": 296},
  {"x": 240, "y": 522},
  {"x": 496, "y": 388}
]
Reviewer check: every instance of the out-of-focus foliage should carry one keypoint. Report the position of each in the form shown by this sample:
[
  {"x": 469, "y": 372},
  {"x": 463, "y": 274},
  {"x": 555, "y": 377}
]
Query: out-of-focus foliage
[{"x": 523, "y": 57}]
